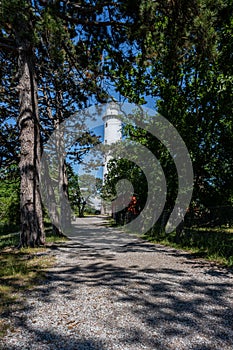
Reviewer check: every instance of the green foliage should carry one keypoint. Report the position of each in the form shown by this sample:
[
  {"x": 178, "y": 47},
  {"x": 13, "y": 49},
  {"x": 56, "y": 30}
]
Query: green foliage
[
  {"x": 119, "y": 169},
  {"x": 81, "y": 189},
  {"x": 124, "y": 169},
  {"x": 66, "y": 49},
  {"x": 9, "y": 202},
  {"x": 10, "y": 239},
  {"x": 178, "y": 52},
  {"x": 183, "y": 59}
]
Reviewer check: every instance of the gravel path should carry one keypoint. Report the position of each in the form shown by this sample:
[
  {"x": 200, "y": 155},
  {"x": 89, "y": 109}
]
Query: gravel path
[{"x": 112, "y": 291}]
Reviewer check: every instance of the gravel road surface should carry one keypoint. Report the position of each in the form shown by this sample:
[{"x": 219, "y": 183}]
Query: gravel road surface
[{"x": 113, "y": 291}]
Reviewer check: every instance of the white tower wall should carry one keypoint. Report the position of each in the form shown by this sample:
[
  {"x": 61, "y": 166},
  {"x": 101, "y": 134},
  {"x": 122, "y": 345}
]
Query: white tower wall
[
  {"x": 112, "y": 134},
  {"x": 112, "y": 129}
]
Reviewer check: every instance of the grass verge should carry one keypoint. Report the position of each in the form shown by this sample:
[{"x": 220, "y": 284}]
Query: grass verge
[
  {"x": 20, "y": 270},
  {"x": 213, "y": 244}
]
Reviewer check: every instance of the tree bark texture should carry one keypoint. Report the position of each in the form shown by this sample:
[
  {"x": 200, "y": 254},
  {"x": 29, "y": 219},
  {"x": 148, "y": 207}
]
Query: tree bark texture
[
  {"x": 64, "y": 206},
  {"x": 65, "y": 212},
  {"x": 50, "y": 198},
  {"x": 32, "y": 230}
]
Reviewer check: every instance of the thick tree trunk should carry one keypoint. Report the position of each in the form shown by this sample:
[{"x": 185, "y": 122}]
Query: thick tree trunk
[
  {"x": 64, "y": 206},
  {"x": 55, "y": 182},
  {"x": 32, "y": 230},
  {"x": 48, "y": 187},
  {"x": 50, "y": 199},
  {"x": 62, "y": 174}
]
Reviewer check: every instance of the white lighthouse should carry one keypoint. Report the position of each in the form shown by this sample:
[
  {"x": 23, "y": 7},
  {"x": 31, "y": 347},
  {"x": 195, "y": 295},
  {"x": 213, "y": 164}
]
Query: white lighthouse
[
  {"x": 112, "y": 129},
  {"x": 112, "y": 134}
]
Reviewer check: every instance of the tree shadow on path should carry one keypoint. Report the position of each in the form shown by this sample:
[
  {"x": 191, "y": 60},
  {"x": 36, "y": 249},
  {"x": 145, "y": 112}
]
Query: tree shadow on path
[{"x": 149, "y": 296}]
